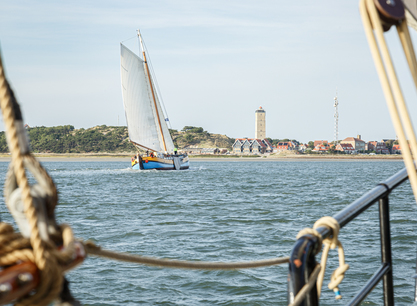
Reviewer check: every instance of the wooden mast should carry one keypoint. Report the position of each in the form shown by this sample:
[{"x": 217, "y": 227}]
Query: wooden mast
[{"x": 153, "y": 93}]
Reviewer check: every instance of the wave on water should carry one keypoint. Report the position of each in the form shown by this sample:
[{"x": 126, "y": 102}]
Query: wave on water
[{"x": 219, "y": 211}]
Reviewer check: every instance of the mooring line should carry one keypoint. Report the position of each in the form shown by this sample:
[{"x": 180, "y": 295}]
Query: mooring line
[{"x": 92, "y": 249}]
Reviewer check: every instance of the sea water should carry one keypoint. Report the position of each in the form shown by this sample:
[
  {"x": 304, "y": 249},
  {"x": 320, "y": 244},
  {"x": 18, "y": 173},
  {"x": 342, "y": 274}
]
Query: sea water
[{"x": 225, "y": 211}]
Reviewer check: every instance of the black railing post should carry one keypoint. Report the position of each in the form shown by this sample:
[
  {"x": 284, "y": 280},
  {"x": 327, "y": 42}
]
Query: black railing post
[
  {"x": 302, "y": 264},
  {"x": 386, "y": 257},
  {"x": 302, "y": 259}
]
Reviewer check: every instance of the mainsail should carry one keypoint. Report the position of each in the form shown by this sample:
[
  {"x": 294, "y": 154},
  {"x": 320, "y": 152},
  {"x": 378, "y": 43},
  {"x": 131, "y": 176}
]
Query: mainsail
[{"x": 145, "y": 130}]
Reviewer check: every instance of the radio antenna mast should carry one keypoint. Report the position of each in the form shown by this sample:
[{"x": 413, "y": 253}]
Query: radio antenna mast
[{"x": 336, "y": 121}]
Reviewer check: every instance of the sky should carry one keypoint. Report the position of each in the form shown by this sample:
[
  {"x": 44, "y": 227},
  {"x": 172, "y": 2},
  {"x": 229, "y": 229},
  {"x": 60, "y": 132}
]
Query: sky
[{"x": 216, "y": 62}]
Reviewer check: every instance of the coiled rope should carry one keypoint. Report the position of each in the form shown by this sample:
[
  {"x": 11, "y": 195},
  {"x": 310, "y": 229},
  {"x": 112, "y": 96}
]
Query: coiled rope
[
  {"x": 13, "y": 246},
  {"x": 329, "y": 243},
  {"x": 16, "y": 248}
]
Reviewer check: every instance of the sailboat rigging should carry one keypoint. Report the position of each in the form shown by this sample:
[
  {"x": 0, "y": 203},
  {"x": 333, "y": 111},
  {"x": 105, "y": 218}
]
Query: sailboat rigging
[{"x": 146, "y": 122}]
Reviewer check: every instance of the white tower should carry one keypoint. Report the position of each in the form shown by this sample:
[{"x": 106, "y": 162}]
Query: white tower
[
  {"x": 336, "y": 120},
  {"x": 260, "y": 124}
]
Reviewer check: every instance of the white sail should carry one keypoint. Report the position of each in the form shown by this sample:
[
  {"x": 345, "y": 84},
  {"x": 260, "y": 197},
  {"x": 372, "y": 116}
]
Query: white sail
[
  {"x": 165, "y": 131},
  {"x": 141, "y": 113}
]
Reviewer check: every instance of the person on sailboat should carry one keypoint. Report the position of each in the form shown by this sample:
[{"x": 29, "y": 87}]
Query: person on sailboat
[{"x": 175, "y": 151}]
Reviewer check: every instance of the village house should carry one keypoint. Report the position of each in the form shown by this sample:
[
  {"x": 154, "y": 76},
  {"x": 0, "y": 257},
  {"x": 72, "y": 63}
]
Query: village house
[
  {"x": 285, "y": 146},
  {"x": 396, "y": 149},
  {"x": 370, "y": 145},
  {"x": 251, "y": 146},
  {"x": 302, "y": 147},
  {"x": 346, "y": 148},
  {"x": 357, "y": 143},
  {"x": 321, "y": 148},
  {"x": 269, "y": 146},
  {"x": 247, "y": 146},
  {"x": 237, "y": 146},
  {"x": 378, "y": 147},
  {"x": 320, "y": 142},
  {"x": 258, "y": 146}
]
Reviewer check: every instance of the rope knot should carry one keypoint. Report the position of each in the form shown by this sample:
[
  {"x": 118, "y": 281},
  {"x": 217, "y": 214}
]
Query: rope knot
[
  {"x": 337, "y": 276},
  {"x": 311, "y": 231},
  {"x": 329, "y": 243},
  {"x": 331, "y": 223}
]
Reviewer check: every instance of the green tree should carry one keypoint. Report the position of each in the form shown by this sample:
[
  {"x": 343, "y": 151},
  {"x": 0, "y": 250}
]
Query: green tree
[
  {"x": 389, "y": 144},
  {"x": 189, "y": 137},
  {"x": 193, "y": 129},
  {"x": 111, "y": 139},
  {"x": 3, "y": 143}
]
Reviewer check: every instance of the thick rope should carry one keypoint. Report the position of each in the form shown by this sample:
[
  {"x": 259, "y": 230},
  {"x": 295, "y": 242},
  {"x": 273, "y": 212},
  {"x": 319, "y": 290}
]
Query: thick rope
[
  {"x": 51, "y": 278},
  {"x": 329, "y": 243},
  {"x": 407, "y": 44},
  {"x": 390, "y": 85},
  {"x": 311, "y": 231},
  {"x": 12, "y": 243},
  {"x": 13, "y": 246},
  {"x": 93, "y": 249}
]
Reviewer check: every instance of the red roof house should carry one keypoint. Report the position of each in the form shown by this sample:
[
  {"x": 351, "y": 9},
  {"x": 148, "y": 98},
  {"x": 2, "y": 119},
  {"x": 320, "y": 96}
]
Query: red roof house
[
  {"x": 345, "y": 147},
  {"x": 320, "y": 142},
  {"x": 396, "y": 149}
]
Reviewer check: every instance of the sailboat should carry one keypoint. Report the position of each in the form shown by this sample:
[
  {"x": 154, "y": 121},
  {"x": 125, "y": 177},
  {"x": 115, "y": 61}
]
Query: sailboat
[{"x": 146, "y": 123}]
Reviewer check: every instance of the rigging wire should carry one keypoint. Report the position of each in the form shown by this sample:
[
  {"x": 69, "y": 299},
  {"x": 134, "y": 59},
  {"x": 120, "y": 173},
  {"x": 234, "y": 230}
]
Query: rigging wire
[
  {"x": 157, "y": 86},
  {"x": 128, "y": 39}
]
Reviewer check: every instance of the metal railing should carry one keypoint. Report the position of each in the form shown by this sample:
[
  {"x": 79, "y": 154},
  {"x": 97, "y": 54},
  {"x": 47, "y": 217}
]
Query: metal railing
[{"x": 305, "y": 248}]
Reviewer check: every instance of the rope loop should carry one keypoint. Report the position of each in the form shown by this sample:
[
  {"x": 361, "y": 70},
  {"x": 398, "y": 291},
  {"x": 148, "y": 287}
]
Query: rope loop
[
  {"x": 339, "y": 273},
  {"x": 39, "y": 243},
  {"x": 329, "y": 243},
  {"x": 311, "y": 231},
  {"x": 15, "y": 248},
  {"x": 331, "y": 223}
]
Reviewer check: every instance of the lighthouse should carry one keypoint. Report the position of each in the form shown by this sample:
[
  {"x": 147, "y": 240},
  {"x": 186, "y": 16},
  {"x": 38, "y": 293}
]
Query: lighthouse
[{"x": 260, "y": 123}]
